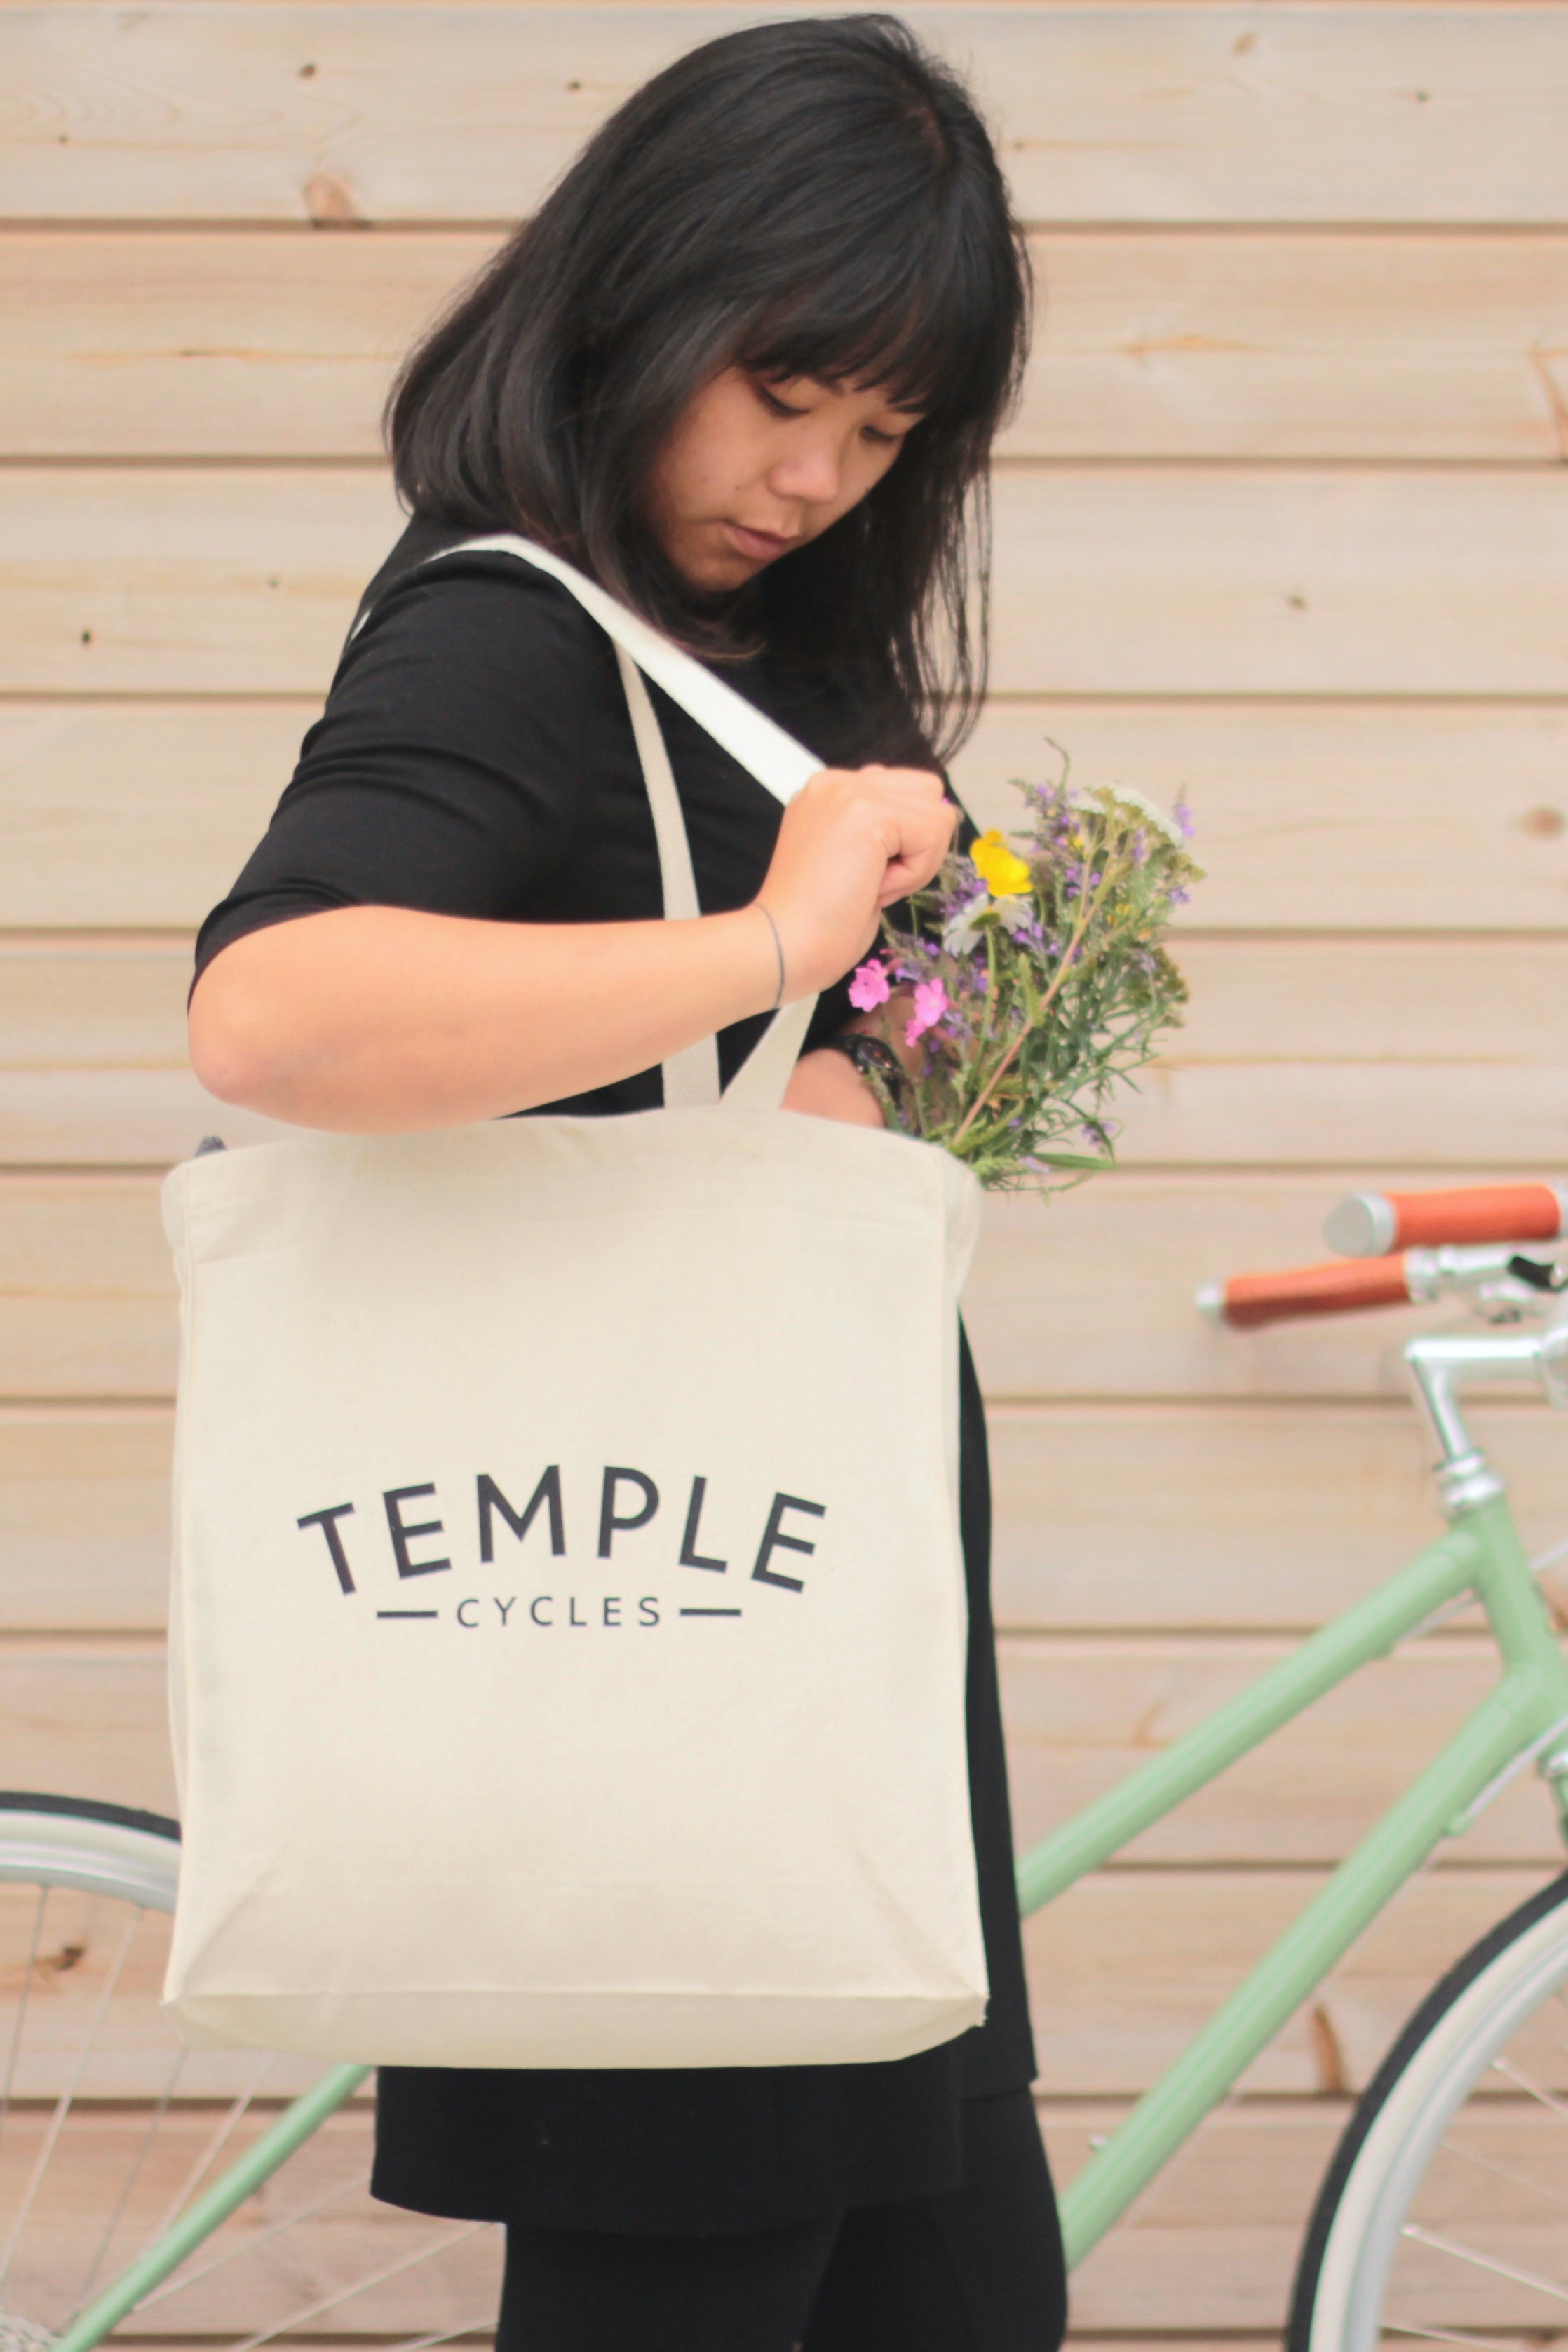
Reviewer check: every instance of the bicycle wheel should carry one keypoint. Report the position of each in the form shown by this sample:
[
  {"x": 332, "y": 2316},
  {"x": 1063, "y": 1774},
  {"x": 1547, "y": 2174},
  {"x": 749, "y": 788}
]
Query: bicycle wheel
[
  {"x": 110, "y": 2126},
  {"x": 1444, "y": 2216}
]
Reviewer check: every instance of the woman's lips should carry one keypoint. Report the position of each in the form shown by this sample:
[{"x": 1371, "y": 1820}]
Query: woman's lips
[{"x": 757, "y": 546}]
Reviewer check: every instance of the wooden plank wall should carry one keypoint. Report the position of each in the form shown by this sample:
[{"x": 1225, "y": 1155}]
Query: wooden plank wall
[{"x": 1284, "y": 520}]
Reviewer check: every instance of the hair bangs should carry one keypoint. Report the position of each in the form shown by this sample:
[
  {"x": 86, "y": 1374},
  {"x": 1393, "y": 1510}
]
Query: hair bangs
[{"x": 915, "y": 317}]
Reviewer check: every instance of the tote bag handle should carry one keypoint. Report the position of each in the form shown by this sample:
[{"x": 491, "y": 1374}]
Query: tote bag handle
[{"x": 751, "y": 738}]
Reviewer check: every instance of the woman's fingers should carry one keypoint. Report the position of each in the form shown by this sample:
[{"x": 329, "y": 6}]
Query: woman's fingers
[{"x": 853, "y": 842}]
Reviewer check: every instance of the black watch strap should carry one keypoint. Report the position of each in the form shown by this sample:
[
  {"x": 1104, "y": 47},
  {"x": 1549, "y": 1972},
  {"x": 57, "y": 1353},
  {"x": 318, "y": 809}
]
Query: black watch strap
[{"x": 871, "y": 1057}]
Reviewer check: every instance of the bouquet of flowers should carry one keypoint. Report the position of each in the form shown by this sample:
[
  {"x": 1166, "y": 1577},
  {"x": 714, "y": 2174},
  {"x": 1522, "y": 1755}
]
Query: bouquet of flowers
[{"x": 1032, "y": 978}]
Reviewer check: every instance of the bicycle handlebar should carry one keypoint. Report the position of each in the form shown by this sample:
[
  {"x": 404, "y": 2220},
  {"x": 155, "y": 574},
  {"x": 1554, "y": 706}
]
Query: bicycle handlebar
[
  {"x": 1249, "y": 1300},
  {"x": 1371, "y": 1224}
]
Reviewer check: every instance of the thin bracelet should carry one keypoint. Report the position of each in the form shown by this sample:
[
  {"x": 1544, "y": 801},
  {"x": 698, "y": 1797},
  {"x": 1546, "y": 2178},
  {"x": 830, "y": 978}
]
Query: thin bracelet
[{"x": 778, "y": 950}]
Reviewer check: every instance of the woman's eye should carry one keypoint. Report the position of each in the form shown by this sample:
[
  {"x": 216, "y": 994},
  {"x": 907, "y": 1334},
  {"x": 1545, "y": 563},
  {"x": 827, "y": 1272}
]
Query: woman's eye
[{"x": 774, "y": 404}]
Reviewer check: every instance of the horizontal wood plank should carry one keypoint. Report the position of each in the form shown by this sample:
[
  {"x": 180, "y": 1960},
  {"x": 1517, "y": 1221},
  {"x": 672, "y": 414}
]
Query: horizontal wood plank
[
  {"x": 1127, "y": 1965},
  {"x": 1109, "y": 581},
  {"x": 89, "y": 1718},
  {"x": 1213, "y": 2243},
  {"x": 178, "y": 345},
  {"x": 1194, "y": 1518},
  {"x": 1123, "y": 1968},
  {"x": 1175, "y": 579},
  {"x": 271, "y": 344},
  {"x": 1248, "y": 1516},
  {"x": 1274, "y": 346},
  {"x": 1082, "y": 1716},
  {"x": 466, "y": 113},
  {"x": 1089, "y": 1295},
  {"x": 1311, "y": 815},
  {"x": 84, "y": 1518},
  {"x": 1290, "y": 1051},
  {"x": 209, "y": 582},
  {"x": 1210, "y": 2247}
]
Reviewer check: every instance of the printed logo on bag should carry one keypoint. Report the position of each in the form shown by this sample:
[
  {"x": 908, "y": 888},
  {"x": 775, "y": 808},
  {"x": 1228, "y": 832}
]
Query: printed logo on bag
[{"x": 628, "y": 1500}]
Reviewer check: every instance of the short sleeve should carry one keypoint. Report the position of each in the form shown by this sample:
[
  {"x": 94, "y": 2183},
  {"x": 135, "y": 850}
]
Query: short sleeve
[{"x": 445, "y": 770}]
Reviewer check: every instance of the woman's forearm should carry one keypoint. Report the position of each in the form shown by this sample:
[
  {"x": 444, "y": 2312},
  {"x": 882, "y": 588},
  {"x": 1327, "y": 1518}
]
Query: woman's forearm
[
  {"x": 375, "y": 1019},
  {"x": 372, "y": 1019}
]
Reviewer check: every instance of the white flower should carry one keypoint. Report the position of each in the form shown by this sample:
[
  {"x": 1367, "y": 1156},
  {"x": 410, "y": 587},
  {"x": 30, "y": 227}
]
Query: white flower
[
  {"x": 1013, "y": 913},
  {"x": 960, "y": 934},
  {"x": 1109, "y": 796}
]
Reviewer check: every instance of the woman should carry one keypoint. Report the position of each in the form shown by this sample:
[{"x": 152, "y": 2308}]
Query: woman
[{"x": 744, "y": 367}]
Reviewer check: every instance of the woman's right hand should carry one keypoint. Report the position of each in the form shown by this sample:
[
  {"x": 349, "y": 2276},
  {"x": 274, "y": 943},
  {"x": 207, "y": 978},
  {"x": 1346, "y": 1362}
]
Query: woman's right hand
[{"x": 853, "y": 841}]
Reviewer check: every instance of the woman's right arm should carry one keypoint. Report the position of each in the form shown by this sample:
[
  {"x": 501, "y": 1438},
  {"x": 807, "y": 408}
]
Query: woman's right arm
[{"x": 373, "y": 1019}]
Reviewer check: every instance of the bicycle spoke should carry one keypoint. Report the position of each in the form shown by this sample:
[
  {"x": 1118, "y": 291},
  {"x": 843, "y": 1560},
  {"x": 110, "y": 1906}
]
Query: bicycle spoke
[
  {"x": 185, "y": 2278},
  {"x": 15, "y": 2048},
  {"x": 133, "y": 2175},
  {"x": 1450, "y": 2336},
  {"x": 62, "y": 2105},
  {"x": 1442, "y": 2245},
  {"x": 485, "y": 2326},
  {"x": 1503, "y": 2172},
  {"x": 212, "y": 2151},
  {"x": 362, "y": 2286},
  {"x": 1536, "y": 2090}
]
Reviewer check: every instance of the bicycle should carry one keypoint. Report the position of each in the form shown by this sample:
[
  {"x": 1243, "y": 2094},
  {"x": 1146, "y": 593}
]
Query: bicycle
[{"x": 1384, "y": 2253}]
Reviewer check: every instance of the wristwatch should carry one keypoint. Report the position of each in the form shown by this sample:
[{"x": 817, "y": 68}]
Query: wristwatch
[{"x": 872, "y": 1058}]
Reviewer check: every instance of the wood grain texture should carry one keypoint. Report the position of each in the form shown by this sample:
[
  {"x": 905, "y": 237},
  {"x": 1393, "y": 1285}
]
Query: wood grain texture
[
  {"x": 84, "y": 1520},
  {"x": 1091, "y": 1295},
  {"x": 1205, "y": 1514},
  {"x": 135, "y": 814},
  {"x": 1127, "y": 1965},
  {"x": 1081, "y": 1715},
  {"x": 1318, "y": 815},
  {"x": 466, "y": 113},
  {"x": 273, "y": 344},
  {"x": 1312, "y": 815},
  {"x": 1213, "y": 2243},
  {"x": 87, "y": 1717},
  {"x": 1088, "y": 1296},
  {"x": 1194, "y": 1518},
  {"x": 1297, "y": 1051},
  {"x": 1209, "y": 2247},
  {"x": 1176, "y": 580},
  {"x": 1109, "y": 581},
  {"x": 180, "y": 344},
  {"x": 1272, "y": 345}
]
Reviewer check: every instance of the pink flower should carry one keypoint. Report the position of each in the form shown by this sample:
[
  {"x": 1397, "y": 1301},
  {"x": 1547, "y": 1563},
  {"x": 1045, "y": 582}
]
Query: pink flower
[
  {"x": 869, "y": 986},
  {"x": 930, "y": 1004}
]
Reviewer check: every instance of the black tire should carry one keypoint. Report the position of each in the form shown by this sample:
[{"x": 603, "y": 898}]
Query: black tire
[{"x": 1373, "y": 2100}]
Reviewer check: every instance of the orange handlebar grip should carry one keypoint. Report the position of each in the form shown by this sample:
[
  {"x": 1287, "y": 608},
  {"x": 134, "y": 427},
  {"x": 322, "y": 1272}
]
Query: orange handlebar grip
[
  {"x": 1368, "y": 1225},
  {"x": 1247, "y": 1300}
]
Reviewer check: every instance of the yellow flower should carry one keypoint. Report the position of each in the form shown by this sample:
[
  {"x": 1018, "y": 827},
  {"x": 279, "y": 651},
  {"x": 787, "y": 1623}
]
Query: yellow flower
[{"x": 1005, "y": 875}]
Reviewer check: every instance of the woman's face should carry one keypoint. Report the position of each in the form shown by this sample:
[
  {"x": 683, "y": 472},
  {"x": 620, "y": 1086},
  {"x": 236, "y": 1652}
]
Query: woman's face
[{"x": 755, "y": 468}]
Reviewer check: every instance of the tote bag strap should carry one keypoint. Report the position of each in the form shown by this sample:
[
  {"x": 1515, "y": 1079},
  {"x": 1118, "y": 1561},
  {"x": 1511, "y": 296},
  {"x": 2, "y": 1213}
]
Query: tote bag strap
[{"x": 751, "y": 738}]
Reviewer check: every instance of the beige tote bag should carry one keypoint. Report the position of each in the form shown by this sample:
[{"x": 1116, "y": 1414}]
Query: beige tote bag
[{"x": 569, "y": 1607}]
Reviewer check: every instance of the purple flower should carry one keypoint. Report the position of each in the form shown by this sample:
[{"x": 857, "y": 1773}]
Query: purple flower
[{"x": 1184, "y": 817}]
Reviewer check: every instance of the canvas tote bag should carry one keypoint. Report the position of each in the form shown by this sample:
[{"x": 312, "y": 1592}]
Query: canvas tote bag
[{"x": 569, "y": 1610}]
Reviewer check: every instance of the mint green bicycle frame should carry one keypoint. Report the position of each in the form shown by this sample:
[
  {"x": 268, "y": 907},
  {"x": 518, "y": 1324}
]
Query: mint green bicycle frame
[{"x": 1524, "y": 1717}]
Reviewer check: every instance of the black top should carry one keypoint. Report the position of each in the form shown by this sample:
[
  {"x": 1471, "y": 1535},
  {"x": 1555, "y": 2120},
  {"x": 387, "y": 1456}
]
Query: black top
[{"x": 476, "y": 758}]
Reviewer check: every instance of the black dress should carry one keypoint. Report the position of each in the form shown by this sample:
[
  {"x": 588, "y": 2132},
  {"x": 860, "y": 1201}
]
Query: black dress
[{"x": 476, "y": 758}]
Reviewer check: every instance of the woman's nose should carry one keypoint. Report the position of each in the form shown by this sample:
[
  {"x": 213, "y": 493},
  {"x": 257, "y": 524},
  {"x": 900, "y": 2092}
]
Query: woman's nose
[{"x": 811, "y": 475}]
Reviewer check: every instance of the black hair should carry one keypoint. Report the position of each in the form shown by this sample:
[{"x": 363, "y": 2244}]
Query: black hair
[{"x": 812, "y": 198}]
